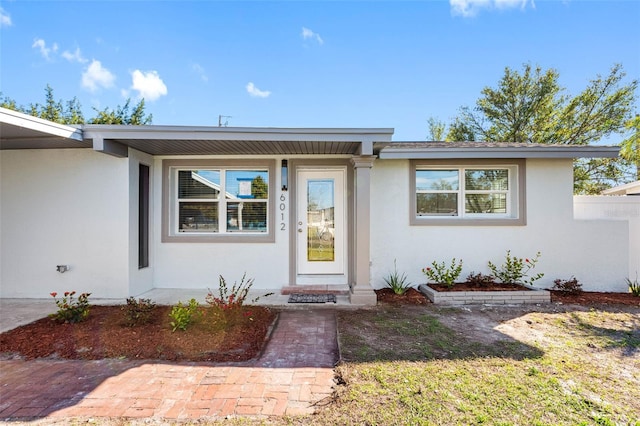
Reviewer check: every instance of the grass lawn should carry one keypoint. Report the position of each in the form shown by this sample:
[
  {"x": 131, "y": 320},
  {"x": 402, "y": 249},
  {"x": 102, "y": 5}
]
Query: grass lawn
[{"x": 444, "y": 366}]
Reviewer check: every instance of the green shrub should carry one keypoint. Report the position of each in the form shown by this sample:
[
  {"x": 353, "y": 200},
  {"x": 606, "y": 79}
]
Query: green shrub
[
  {"x": 634, "y": 286},
  {"x": 138, "y": 312},
  {"x": 480, "y": 280},
  {"x": 229, "y": 299},
  {"x": 439, "y": 273},
  {"x": 515, "y": 270},
  {"x": 396, "y": 281},
  {"x": 70, "y": 309},
  {"x": 183, "y": 315},
  {"x": 571, "y": 286}
]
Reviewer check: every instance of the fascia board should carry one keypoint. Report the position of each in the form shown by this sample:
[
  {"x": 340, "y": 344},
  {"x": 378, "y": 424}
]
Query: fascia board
[
  {"x": 237, "y": 133},
  {"x": 497, "y": 152},
  {"x": 46, "y": 127}
]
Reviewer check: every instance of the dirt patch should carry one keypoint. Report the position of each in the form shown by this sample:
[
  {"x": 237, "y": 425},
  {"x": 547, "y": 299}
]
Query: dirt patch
[
  {"x": 104, "y": 335},
  {"x": 488, "y": 324}
]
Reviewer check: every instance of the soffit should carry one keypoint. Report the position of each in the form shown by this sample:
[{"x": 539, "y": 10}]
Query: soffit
[
  {"x": 22, "y": 131},
  {"x": 239, "y": 147}
]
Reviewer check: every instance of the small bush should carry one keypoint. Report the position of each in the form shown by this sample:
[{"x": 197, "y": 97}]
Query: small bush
[
  {"x": 480, "y": 280},
  {"x": 138, "y": 312},
  {"x": 571, "y": 285},
  {"x": 232, "y": 299},
  {"x": 70, "y": 309},
  {"x": 515, "y": 270},
  {"x": 183, "y": 315},
  {"x": 396, "y": 281},
  {"x": 634, "y": 286},
  {"x": 439, "y": 273}
]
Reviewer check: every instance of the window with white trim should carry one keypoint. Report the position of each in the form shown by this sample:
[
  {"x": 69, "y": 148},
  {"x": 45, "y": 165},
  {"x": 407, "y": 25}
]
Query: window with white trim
[
  {"x": 444, "y": 192},
  {"x": 216, "y": 199}
]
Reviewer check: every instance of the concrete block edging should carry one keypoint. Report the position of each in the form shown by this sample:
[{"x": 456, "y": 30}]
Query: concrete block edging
[{"x": 532, "y": 295}]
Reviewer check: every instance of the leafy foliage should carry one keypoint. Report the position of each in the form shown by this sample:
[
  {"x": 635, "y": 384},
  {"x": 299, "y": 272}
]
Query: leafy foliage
[
  {"x": 121, "y": 115},
  {"x": 183, "y": 314},
  {"x": 571, "y": 286},
  {"x": 530, "y": 106},
  {"x": 480, "y": 279},
  {"x": 234, "y": 298},
  {"x": 138, "y": 312},
  {"x": 70, "y": 112},
  {"x": 70, "y": 309},
  {"x": 439, "y": 273},
  {"x": 634, "y": 286},
  {"x": 396, "y": 281},
  {"x": 515, "y": 270}
]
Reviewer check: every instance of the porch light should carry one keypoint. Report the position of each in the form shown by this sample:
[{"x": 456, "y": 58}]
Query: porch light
[{"x": 285, "y": 175}]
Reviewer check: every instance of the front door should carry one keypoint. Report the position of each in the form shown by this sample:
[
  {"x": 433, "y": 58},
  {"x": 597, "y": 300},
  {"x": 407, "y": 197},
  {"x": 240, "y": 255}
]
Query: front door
[{"x": 320, "y": 226}]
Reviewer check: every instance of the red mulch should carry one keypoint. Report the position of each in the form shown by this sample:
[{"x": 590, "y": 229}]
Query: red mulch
[
  {"x": 104, "y": 335},
  {"x": 410, "y": 297},
  {"x": 594, "y": 298},
  {"x": 473, "y": 287}
]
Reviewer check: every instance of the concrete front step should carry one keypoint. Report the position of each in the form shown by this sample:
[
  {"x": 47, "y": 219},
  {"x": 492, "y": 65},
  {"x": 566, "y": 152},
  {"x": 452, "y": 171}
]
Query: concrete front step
[{"x": 340, "y": 290}]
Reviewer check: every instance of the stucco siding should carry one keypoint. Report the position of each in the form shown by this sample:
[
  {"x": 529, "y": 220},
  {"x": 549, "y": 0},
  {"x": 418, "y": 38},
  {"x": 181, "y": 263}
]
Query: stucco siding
[
  {"x": 63, "y": 206},
  {"x": 593, "y": 251},
  {"x": 198, "y": 265}
]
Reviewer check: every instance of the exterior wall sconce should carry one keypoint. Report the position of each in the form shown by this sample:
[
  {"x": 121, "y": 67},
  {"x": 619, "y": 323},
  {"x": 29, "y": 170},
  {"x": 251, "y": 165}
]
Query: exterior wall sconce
[
  {"x": 285, "y": 175},
  {"x": 62, "y": 268}
]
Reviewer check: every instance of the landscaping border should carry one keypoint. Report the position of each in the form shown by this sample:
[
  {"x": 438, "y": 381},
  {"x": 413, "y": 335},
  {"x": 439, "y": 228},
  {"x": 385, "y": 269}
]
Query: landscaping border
[{"x": 531, "y": 296}]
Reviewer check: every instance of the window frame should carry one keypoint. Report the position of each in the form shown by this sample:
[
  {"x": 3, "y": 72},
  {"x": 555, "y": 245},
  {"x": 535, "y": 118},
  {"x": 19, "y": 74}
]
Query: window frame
[
  {"x": 516, "y": 199},
  {"x": 170, "y": 208}
]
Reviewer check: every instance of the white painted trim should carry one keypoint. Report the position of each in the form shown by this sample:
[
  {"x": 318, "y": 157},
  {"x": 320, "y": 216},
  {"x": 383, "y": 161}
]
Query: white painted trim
[{"x": 49, "y": 128}]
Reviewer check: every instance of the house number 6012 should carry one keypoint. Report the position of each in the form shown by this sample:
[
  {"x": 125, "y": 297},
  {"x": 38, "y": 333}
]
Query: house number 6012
[{"x": 283, "y": 206}]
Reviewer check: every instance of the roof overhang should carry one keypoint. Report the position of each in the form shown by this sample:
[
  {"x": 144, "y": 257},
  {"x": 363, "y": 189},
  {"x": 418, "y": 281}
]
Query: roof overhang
[
  {"x": 631, "y": 188},
  {"x": 466, "y": 150},
  {"x": 23, "y": 131},
  {"x": 192, "y": 140}
]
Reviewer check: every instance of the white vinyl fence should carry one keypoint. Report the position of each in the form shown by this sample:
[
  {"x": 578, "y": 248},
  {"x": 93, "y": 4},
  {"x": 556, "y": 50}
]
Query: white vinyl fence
[{"x": 627, "y": 208}]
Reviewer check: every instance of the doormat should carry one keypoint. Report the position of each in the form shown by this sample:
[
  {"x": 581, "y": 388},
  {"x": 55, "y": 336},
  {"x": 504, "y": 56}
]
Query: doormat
[{"x": 312, "y": 298}]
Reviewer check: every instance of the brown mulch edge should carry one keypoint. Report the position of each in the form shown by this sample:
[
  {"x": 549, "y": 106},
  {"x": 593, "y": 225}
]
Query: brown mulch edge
[
  {"x": 473, "y": 287},
  {"x": 589, "y": 298}
]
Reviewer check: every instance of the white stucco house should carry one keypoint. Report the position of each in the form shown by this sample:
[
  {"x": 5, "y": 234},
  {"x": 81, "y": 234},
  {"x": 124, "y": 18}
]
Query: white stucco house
[{"x": 133, "y": 208}]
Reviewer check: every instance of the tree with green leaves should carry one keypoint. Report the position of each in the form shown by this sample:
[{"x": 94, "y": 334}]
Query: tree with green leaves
[
  {"x": 531, "y": 107},
  {"x": 436, "y": 129},
  {"x": 121, "y": 115},
  {"x": 630, "y": 147},
  {"x": 70, "y": 112}
]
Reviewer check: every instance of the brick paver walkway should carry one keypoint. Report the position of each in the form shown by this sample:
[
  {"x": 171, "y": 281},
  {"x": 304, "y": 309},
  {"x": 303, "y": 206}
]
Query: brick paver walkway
[{"x": 294, "y": 373}]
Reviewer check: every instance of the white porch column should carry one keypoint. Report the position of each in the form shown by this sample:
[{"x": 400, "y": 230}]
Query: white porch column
[{"x": 361, "y": 292}]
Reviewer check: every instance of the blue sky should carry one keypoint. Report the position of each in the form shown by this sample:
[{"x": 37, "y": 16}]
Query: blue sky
[{"x": 302, "y": 63}]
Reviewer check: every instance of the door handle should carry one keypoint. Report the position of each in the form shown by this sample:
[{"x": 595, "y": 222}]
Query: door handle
[{"x": 300, "y": 230}]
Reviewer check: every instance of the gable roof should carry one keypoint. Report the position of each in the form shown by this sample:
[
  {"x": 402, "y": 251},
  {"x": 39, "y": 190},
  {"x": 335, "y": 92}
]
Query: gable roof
[{"x": 466, "y": 150}]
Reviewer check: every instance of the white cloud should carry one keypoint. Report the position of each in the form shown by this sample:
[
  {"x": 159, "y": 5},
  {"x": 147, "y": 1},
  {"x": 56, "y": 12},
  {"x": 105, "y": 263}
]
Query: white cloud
[
  {"x": 45, "y": 51},
  {"x": 5, "y": 19},
  {"x": 257, "y": 93},
  {"x": 198, "y": 69},
  {"x": 96, "y": 76},
  {"x": 75, "y": 56},
  {"x": 148, "y": 84},
  {"x": 470, "y": 8},
  {"x": 308, "y": 34}
]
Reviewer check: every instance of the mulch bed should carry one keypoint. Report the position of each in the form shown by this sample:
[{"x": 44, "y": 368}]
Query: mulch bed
[
  {"x": 103, "y": 335},
  {"x": 472, "y": 287}
]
